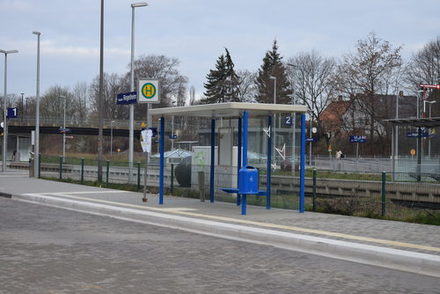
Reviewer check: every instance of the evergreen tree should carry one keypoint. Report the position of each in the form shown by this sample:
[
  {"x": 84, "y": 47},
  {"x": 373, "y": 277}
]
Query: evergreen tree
[
  {"x": 272, "y": 66},
  {"x": 222, "y": 84}
]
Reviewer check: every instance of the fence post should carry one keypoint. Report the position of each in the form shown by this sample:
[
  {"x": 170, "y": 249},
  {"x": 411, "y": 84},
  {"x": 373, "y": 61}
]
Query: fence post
[
  {"x": 314, "y": 190},
  {"x": 138, "y": 176},
  {"x": 108, "y": 171},
  {"x": 61, "y": 167},
  {"x": 383, "y": 193},
  {"x": 82, "y": 170},
  {"x": 172, "y": 179}
]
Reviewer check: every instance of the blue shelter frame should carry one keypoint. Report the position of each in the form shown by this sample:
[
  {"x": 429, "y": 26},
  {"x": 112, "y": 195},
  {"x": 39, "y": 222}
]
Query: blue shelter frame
[{"x": 241, "y": 111}]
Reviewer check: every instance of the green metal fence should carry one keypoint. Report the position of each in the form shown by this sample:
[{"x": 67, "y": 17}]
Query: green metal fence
[{"x": 358, "y": 194}]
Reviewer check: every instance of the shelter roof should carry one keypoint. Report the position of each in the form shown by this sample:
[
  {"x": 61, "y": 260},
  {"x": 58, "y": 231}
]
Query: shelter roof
[
  {"x": 416, "y": 122},
  {"x": 228, "y": 110}
]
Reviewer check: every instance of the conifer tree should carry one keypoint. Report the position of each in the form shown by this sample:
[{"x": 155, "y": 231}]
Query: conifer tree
[
  {"x": 272, "y": 66},
  {"x": 222, "y": 82}
]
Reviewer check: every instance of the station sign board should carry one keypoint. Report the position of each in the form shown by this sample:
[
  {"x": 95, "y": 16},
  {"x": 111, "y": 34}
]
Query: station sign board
[
  {"x": 416, "y": 134},
  {"x": 12, "y": 112},
  {"x": 126, "y": 98},
  {"x": 358, "y": 139}
]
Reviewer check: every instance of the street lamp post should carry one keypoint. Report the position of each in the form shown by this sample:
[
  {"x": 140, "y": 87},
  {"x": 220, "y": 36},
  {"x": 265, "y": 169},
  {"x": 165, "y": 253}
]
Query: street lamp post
[
  {"x": 26, "y": 106},
  {"x": 274, "y": 117},
  {"x": 22, "y": 106},
  {"x": 311, "y": 137},
  {"x": 5, "y": 105},
  {"x": 37, "y": 111},
  {"x": 131, "y": 127},
  {"x": 64, "y": 126},
  {"x": 101, "y": 93},
  {"x": 397, "y": 129},
  {"x": 429, "y": 137},
  {"x": 111, "y": 137}
]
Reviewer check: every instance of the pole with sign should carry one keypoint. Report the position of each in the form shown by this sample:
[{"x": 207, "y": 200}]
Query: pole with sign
[
  {"x": 146, "y": 138},
  {"x": 357, "y": 140},
  {"x": 148, "y": 92}
]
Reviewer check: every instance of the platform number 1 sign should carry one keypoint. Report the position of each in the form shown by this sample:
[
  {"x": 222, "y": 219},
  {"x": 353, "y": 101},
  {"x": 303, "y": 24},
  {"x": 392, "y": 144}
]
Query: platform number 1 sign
[{"x": 12, "y": 112}]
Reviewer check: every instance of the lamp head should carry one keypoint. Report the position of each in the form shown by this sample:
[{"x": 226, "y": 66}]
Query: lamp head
[
  {"x": 36, "y": 33},
  {"x": 139, "y": 4},
  {"x": 8, "y": 51},
  {"x": 272, "y": 77}
]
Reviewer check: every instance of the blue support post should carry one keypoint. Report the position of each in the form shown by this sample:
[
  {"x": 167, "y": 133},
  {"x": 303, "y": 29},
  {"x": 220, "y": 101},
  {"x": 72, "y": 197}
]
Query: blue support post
[
  {"x": 245, "y": 137},
  {"x": 302, "y": 163},
  {"x": 212, "y": 173},
  {"x": 269, "y": 161},
  {"x": 245, "y": 158},
  {"x": 239, "y": 150},
  {"x": 162, "y": 158},
  {"x": 243, "y": 204}
]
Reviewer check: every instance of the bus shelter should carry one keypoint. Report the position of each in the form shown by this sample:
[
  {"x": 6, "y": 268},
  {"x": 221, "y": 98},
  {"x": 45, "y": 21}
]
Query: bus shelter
[
  {"x": 241, "y": 113},
  {"x": 425, "y": 166}
]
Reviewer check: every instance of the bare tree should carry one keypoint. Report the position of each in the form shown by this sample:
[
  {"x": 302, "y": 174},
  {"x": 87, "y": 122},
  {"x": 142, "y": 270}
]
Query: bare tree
[
  {"x": 247, "y": 89},
  {"x": 172, "y": 83},
  {"x": 310, "y": 76},
  {"x": 367, "y": 74},
  {"x": 52, "y": 103},
  {"x": 80, "y": 101},
  {"x": 113, "y": 85},
  {"x": 424, "y": 68}
]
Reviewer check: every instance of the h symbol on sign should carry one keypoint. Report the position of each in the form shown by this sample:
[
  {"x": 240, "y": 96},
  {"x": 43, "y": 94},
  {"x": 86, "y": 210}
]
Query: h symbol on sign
[{"x": 150, "y": 91}]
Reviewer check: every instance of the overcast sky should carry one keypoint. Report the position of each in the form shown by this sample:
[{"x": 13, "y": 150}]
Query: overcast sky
[{"x": 195, "y": 32}]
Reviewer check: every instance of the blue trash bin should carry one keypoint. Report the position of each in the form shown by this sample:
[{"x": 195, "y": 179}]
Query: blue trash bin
[{"x": 248, "y": 180}]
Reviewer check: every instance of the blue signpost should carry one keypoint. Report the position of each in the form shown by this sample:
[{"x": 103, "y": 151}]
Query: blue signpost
[
  {"x": 357, "y": 140},
  {"x": 126, "y": 98}
]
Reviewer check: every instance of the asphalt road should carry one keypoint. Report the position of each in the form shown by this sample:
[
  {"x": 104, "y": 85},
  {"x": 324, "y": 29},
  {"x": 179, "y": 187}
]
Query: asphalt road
[{"x": 52, "y": 250}]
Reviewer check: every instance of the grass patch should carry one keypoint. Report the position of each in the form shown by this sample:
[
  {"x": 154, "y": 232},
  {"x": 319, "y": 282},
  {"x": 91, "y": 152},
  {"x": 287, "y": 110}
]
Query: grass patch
[
  {"x": 90, "y": 160},
  {"x": 372, "y": 208},
  {"x": 335, "y": 175}
]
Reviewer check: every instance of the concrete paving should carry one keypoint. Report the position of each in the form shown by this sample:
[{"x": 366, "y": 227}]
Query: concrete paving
[
  {"x": 390, "y": 244},
  {"x": 51, "y": 250}
]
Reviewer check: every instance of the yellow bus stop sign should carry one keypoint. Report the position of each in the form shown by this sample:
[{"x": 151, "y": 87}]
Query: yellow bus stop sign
[{"x": 148, "y": 91}]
